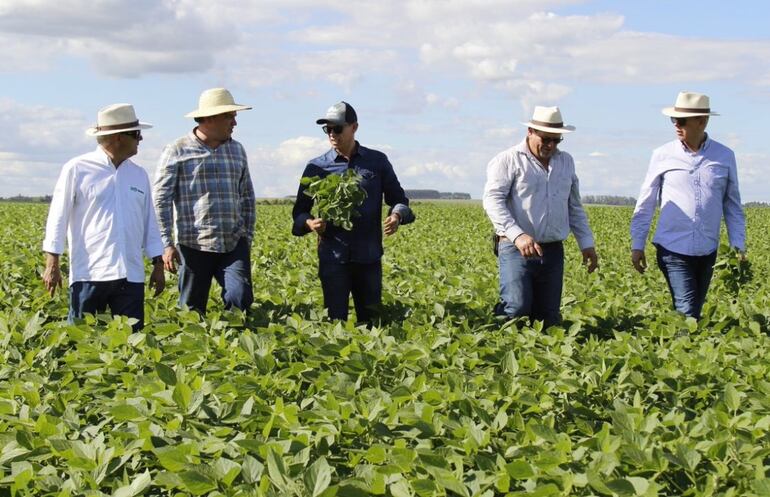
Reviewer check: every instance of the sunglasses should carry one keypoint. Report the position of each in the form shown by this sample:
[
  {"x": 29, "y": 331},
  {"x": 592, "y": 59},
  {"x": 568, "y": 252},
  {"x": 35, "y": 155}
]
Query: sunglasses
[
  {"x": 548, "y": 141},
  {"x": 336, "y": 129},
  {"x": 136, "y": 134},
  {"x": 679, "y": 121}
]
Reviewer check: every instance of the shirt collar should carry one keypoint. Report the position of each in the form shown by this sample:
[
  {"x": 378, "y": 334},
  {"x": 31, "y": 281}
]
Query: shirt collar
[
  {"x": 357, "y": 150},
  {"x": 702, "y": 149},
  {"x": 197, "y": 140}
]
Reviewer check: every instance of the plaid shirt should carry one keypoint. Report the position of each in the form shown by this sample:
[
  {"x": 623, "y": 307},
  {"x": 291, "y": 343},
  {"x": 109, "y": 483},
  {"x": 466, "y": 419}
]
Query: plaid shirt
[{"x": 211, "y": 194}]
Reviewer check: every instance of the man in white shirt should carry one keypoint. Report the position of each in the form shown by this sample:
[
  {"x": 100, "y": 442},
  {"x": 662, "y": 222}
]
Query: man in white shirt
[
  {"x": 533, "y": 200},
  {"x": 695, "y": 181},
  {"x": 102, "y": 206}
]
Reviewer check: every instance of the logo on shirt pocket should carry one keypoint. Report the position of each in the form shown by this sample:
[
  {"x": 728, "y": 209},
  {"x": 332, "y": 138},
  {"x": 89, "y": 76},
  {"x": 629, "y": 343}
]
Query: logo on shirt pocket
[{"x": 136, "y": 190}]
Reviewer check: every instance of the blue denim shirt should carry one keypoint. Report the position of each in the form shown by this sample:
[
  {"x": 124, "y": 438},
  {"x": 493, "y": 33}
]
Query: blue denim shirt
[{"x": 363, "y": 244}]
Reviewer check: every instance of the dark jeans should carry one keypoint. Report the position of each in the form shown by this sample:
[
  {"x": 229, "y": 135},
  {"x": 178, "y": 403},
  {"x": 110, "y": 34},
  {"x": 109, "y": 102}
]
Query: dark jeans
[
  {"x": 122, "y": 297},
  {"x": 232, "y": 270},
  {"x": 688, "y": 278},
  {"x": 531, "y": 286},
  {"x": 364, "y": 281}
]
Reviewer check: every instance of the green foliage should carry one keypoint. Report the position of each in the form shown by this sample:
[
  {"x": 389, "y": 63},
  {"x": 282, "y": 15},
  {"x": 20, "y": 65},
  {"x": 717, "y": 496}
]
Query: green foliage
[
  {"x": 732, "y": 270},
  {"x": 440, "y": 400},
  {"x": 336, "y": 196}
]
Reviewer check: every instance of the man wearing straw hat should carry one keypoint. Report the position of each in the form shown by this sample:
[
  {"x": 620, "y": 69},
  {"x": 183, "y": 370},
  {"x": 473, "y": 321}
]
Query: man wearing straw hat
[
  {"x": 694, "y": 179},
  {"x": 102, "y": 206},
  {"x": 532, "y": 198},
  {"x": 203, "y": 183}
]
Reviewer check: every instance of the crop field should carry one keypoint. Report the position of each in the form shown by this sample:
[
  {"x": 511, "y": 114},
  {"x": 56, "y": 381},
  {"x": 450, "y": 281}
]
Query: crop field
[{"x": 626, "y": 398}]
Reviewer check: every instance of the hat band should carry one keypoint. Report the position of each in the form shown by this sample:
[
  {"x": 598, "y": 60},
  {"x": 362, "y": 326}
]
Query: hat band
[
  {"x": 546, "y": 124},
  {"x": 117, "y": 126},
  {"x": 689, "y": 109}
]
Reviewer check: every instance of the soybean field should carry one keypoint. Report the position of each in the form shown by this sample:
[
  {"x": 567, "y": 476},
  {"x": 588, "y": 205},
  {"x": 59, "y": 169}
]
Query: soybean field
[{"x": 626, "y": 398}]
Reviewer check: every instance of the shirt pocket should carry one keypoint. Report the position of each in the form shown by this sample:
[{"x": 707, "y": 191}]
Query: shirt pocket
[{"x": 715, "y": 177}]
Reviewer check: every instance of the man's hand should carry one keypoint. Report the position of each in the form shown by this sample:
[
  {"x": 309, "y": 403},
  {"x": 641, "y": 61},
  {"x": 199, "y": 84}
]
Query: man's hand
[
  {"x": 527, "y": 246},
  {"x": 158, "y": 278},
  {"x": 318, "y": 225},
  {"x": 392, "y": 223},
  {"x": 52, "y": 273},
  {"x": 639, "y": 261},
  {"x": 170, "y": 259},
  {"x": 590, "y": 259}
]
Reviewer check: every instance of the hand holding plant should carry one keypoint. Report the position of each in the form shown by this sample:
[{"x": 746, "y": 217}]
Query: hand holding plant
[{"x": 336, "y": 197}]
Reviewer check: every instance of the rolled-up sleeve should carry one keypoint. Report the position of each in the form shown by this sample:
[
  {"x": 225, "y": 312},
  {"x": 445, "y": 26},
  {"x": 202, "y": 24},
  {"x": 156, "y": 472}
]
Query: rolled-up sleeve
[
  {"x": 248, "y": 201},
  {"x": 395, "y": 196},
  {"x": 578, "y": 219},
  {"x": 497, "y": 190},
  {"x": 645, "y": 206},
  {"x": 735, "y": 219}
]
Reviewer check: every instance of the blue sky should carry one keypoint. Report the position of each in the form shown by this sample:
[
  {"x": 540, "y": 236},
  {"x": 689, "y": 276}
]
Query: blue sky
[{"x": 441, "y": 86}]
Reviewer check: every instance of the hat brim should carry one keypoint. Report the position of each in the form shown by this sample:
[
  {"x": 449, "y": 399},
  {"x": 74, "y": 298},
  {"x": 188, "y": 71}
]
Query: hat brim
[
  {"x": 672, "y": 112},
  {"x": 546, "y": 129},
  {"x": 94, "y": 131},
  {"x": 216, "y": 110},
  {"x": 323, "y": 120}
]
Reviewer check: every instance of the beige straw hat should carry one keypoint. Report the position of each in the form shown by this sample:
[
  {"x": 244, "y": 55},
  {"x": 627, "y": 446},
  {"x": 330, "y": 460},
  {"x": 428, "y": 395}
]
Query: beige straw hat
[
  {"x": 116, "y": 118},
  {"x": 216, "y": 101},
  {"x": 549, "y": 120},
  {"x": 690, "y": 104}
]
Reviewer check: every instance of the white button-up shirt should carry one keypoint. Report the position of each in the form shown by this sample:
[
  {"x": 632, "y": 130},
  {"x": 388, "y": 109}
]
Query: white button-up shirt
[
  {"x": 107, "y": 217},
  {"x": 694, "y": 190},
  {"x": 522, "y": 197}
]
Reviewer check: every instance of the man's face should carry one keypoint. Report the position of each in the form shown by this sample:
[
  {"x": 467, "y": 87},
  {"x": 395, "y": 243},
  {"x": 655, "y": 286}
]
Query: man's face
[
  {"x": 130, "y": 142},
  {"x": 219, "y": 127},
  {"x": 341, "y": 136},
  {"x": 689, "y": 126},
  {"x": 543, "y": 145}
]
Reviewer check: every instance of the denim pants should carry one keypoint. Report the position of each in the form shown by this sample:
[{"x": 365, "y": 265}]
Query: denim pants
[
  {"x": 364, "y": 281},
  {"x": 232, "y": 270},
  {"x": 121, "y": 296},
  {"x": 688, "y": 278},
  {"x": 531, "y": 286}
]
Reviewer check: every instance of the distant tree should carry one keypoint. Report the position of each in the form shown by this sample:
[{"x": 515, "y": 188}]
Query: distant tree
[{"x": 608, "y": 200}]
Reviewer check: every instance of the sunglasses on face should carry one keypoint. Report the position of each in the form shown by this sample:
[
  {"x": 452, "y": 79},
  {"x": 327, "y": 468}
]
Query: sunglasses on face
[
  {"x": 336, "y": 129},
  {"x": 136, "y": 134},
  {"x": 547, "y": 141},
  {"x": 679, "y": 121}
]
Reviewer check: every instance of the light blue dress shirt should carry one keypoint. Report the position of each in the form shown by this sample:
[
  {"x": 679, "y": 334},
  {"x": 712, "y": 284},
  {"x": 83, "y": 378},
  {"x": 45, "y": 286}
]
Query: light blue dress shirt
[
  {"x": 694, "y": 190},
  {"x": 522, "y": 197}
]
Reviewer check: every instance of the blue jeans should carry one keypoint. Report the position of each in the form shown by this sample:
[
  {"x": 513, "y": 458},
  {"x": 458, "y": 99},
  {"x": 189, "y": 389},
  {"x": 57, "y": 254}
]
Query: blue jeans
[
  {"x": 531, "y": 286},
  {"x": 232, "y": 270},
  {"x": 122, "y": 297},
  {"x": 364, "y": 281},
  {"x": 688, "y": 278}
]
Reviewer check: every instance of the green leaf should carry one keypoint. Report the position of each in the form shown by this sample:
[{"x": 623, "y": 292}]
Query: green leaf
[
  {"x": 182, "y": 396},
  {"x": 318, "y": 476},
  {"x": 196, "y": 482},
  {"x": 137, "y": 486},
  {"x": 166, "y": 374},
  {"x": 519, "y": 470},
  {"x": 732, "y": 397}
]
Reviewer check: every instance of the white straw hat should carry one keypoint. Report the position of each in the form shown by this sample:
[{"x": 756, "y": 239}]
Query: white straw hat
[
  {"x": 216, "y": 101},
  {"x": 690, "y": 104},
  {"x": 549, "y": 120},
  {"x": 116, "y": 118}
]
